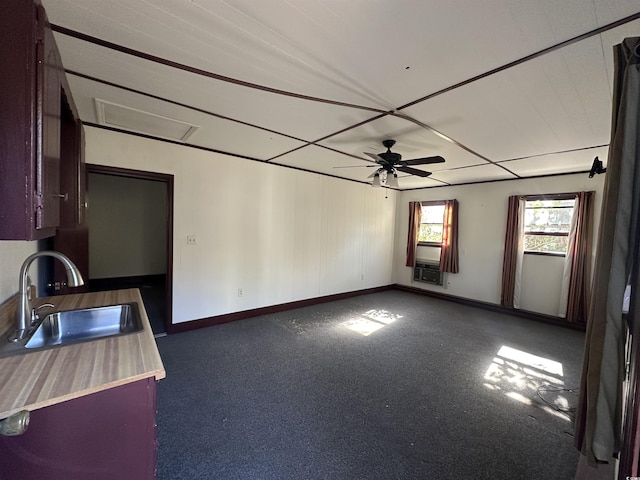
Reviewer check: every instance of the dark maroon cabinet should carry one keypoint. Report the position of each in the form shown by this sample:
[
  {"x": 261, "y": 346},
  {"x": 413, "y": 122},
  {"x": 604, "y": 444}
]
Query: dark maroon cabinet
[
  {"x": 104, "y": 436},
  {"x": 34, "y": 100}
]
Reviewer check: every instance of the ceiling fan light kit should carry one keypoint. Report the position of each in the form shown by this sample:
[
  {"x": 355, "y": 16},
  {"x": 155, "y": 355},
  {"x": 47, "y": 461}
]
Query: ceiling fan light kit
[
  {"x": 392, "y": 180},
  {"x": 376, "y": 181}
]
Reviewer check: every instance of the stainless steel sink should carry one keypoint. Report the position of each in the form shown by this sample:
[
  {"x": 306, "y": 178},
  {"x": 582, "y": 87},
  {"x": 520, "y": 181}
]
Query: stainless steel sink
[
  {"x": 74, "y": 326},
  {"x": 71, "y": 326}
]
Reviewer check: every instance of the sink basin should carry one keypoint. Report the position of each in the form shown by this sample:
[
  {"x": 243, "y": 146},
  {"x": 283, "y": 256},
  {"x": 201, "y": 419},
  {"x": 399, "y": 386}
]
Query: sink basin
[{"x": 72, "y": 326}]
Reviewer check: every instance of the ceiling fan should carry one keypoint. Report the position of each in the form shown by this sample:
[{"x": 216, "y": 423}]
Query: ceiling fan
[{"x": 390, "y": 163}]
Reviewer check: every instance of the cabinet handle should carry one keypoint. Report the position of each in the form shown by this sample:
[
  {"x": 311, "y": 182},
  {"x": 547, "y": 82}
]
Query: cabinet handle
[
  {"x": 15, "y": 425},
  {"x": 64, "y": 196}
]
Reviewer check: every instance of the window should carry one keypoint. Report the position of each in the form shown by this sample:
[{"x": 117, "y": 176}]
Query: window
[
  {"x": 431, "y": 224},
  {"x": 547, "y": 222}
]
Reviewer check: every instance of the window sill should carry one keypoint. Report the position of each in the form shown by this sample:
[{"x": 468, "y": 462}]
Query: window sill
[
  {"x": 546, "y": 254},
  {"x": 429, "y": 244}
]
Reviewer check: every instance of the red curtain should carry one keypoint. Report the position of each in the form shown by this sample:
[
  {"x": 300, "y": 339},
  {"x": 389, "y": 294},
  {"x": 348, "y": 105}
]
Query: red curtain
[
  {"x": 578, "y": 301},
  {"x": 415, "y": 215},
  {"x": 449, "y": 246},
  {"x": 510, "y": 258}
]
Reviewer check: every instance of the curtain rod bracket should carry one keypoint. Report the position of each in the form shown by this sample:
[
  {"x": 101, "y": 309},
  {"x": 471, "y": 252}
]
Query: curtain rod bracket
[{"x": 596, "y": 168}]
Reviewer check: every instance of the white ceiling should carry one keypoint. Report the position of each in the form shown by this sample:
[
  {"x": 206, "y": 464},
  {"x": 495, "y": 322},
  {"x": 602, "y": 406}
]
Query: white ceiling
[{"x": 441, "y": 77}]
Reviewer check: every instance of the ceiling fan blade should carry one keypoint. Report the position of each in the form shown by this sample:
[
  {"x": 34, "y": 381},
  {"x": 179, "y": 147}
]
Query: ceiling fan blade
[
  {"x": 413, "y": 171},
  {"x": 377, "y": 158},
  {"x": 357, "y": 166},
  {"x": 425, "y": 160}
]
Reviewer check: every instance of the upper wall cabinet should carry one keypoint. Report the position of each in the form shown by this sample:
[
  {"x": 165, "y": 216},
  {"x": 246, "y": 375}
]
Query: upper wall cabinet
[{"x": 41, "y": 138}]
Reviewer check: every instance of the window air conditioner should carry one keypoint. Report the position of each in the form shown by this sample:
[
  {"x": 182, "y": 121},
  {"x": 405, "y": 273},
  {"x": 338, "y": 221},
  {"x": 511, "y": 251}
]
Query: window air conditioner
[{"x": 427, "y": 272}]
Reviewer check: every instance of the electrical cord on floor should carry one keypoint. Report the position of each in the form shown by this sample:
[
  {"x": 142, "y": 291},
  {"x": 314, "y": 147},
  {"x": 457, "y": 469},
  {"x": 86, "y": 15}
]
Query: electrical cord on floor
[{"x": 549, "y": 388}]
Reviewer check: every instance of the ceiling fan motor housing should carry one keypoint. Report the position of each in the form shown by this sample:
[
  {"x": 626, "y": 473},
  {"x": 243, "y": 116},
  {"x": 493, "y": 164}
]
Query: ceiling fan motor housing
[{"x": 390, "y": 157}]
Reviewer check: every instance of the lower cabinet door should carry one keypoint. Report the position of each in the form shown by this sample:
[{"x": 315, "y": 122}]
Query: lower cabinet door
[{"x": 106, "y": 435}]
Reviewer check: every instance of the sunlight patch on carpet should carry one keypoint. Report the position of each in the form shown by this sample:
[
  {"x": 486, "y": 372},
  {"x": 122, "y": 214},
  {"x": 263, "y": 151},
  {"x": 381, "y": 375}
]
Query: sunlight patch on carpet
[
  {"x": 531, "y": 380},
  {"x": 371, "y": 321}
]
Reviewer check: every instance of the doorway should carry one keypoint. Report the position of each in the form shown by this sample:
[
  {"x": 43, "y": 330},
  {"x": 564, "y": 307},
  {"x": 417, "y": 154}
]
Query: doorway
[{"x": 131, "y": 237}]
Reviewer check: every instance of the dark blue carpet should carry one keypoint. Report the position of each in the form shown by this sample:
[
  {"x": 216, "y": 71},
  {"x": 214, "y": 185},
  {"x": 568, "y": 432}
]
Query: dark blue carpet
[{"x": 443, "y": 392}]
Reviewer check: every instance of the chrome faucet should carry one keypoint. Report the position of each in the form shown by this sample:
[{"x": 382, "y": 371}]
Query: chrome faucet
[{"x": 24, "y": 312}]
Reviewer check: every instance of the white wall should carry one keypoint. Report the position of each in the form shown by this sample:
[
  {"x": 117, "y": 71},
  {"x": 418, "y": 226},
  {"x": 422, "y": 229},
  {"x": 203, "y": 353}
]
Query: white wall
[
  {"x": 482, "y": 225},
  {"x": 12, "y": 254},
  {"x": 127, "y": 227},
  {"x": 309, "y": 235},
  {"x": 279, "y": 234}
]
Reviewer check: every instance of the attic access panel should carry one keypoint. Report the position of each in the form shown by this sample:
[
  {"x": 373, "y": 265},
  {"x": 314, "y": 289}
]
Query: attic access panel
[{"x": 118, "y": 116}]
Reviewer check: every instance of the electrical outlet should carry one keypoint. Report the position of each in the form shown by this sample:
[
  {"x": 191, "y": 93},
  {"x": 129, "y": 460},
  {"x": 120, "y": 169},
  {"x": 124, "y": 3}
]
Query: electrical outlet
[
  {"x": 191, "y": 239},
  {"x": 240, "y": 292}
]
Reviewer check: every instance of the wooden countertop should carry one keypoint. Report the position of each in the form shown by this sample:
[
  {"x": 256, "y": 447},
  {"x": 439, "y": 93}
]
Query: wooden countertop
[{"x": 37, "y": 379}]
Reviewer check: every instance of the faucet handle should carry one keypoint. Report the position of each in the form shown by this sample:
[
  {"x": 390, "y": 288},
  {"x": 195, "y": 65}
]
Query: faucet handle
[{"x": 34, "y": 313}]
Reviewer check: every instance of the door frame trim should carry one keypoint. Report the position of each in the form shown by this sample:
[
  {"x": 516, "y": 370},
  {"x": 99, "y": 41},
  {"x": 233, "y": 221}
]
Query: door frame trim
[{"x": 167, "y": 179}]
